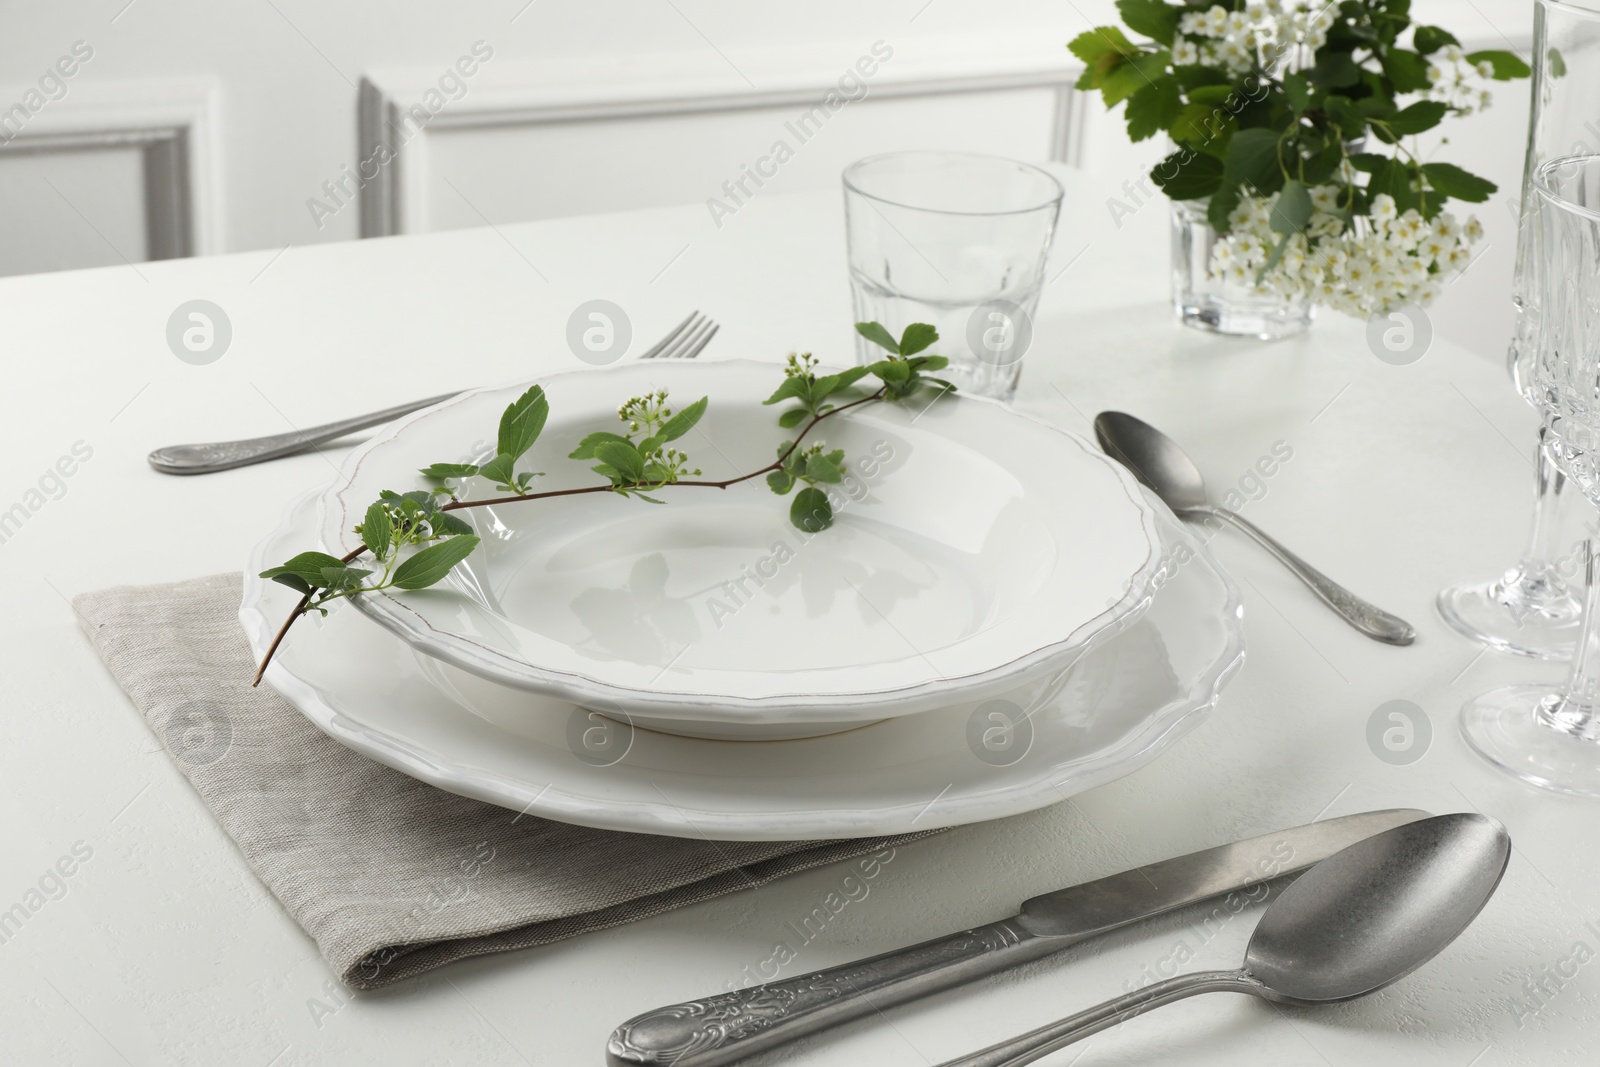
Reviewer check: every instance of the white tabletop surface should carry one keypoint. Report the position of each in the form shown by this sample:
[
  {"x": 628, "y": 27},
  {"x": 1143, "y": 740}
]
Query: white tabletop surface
[{"x": 164, "y": 948}]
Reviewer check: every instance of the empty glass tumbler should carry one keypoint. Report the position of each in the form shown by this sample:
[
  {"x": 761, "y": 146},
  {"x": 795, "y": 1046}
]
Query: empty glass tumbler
[{"x": 956, "y": 240}]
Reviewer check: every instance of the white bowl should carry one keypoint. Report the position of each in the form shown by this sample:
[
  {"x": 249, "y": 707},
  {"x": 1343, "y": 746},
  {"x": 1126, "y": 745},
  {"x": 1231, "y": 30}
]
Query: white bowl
[
  {"x": 975, "y": 551},
  {"x": 1122, "y": 703}
]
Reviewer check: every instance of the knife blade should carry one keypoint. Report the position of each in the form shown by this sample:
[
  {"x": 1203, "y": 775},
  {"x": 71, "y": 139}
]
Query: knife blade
[{"x": 727, "y": 1027}]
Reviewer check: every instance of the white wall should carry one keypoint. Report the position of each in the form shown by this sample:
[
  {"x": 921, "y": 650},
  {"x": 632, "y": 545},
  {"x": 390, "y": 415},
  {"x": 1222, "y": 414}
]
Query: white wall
[{"x": 273, "y": 89}]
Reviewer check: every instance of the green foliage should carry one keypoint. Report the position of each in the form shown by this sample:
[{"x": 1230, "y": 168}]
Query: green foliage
[
  {"x": 1253, "y": 132},
  {"x": 416, "y": 538}
]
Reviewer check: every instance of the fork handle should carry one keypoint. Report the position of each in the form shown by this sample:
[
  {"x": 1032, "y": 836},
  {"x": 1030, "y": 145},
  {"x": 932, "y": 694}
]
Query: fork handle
[{"x": 225, "y": 455}]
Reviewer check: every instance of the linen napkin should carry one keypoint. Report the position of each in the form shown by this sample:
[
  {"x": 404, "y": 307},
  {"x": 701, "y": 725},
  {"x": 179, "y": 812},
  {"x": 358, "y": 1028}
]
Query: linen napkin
[{"x": 390, "y": 876}]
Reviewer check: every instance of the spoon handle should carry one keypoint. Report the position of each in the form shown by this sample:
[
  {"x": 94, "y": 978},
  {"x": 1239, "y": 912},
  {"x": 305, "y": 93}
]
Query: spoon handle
[
  {"x": 1045, "y": 1040},
  {"x": 1368, "y": 618}
]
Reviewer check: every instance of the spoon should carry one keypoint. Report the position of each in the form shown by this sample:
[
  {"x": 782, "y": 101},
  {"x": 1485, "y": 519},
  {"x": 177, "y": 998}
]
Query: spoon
[
  {"x": 1362, "y": 918},
  {"x": 1157, "y": 461}
]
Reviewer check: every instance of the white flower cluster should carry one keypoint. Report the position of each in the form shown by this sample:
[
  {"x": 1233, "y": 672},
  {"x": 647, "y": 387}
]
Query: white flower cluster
[
  {"x": 1454, "y": 81},
  {"x": 1262, "y": 34},
  {"x": 1390, "y": 260}
]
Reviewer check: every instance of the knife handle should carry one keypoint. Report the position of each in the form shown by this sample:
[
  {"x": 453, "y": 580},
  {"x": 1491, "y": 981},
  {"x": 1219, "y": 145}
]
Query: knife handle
[{"x": 730, "y": 1026}]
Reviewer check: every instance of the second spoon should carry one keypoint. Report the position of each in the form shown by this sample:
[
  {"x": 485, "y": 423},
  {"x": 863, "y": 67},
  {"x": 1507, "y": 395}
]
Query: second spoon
[{"x": 1157, "y": 461}]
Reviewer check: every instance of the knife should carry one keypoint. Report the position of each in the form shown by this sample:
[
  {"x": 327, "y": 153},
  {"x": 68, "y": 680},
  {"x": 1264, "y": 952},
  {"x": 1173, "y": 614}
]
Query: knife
[{"x": 730, "y": 1026}]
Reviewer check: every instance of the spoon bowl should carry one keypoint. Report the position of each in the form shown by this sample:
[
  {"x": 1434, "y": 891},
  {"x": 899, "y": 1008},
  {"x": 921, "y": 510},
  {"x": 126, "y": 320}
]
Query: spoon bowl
[
  {"x": 1376, "y": 911},
  {"x": 1154, "y": 458}
]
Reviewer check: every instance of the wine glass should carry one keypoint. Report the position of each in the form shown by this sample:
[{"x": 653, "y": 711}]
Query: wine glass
[
  {"x": 1544, "y": 735},
  {"x": 1532, "y": 609}
]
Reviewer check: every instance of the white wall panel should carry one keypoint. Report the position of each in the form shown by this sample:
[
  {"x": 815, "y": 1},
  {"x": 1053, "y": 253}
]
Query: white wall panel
[
  {"x": 84, "y": 208},
  {"x": 521, "y": 172}
]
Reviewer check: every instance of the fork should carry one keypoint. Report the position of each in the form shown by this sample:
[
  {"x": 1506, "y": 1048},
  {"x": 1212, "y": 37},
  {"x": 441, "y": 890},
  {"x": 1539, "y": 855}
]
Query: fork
[{"x": 685, "y": 341}]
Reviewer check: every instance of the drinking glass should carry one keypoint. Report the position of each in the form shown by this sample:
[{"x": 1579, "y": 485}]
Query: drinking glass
[
  {"x": 1531, "y": 609},
  {"x": 956, "y": 240},
  {"x": 1544, "y": 735}
]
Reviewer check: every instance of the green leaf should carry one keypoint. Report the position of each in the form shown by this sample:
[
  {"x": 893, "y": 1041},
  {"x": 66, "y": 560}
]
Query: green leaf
[
  {"x": 1297, "y": 87},
  {"x": 811, "y": 511},
  {"x": 500, "y": 468},
  {"x": 1200, "y": 125},
  {"x": 1319, "y": 167},
  {"x": 1274, "y": 258},
  {"x": 819, "y": 469},
  {"x": 1252, "y": 158},
  {"x": 1558, "y": 66},
  {"x": 307, "y": 567},
  {"x": 1429, "y": 39},
  {"x": 446, "y": 523},
  {"x": 1131, "y": 75},
  {"x": 922, "y": 363},
  {"x": 1507, "y": 65},
  {"x": 442, "y": 471},
  {"x": 1452, "y": 181},
  {"x": 917, "y": 336},
  {"x": 1421, "y": 116},
  {"x": 1102, "y": 43},
  {"x": 343, "y": 578},
  {"x": 1367, "y": 162},
  {"x": 623, "y": 457},
  {"x": 827, "y": 385},
  {"x": 1407, "y": 69},
  {"x": 1293, "y": 209},
  {"x": 796, "y": 388},
  {"x": 1394, "y": 178},
  {"x": 873, "y": 332},
  {"x": 1345, "y": 115},
  {"x": 1152, "y": 109},
  {"x": 586, "y": 447},
  {"x": 434, "y": 562},
  {"x": 1212, "y": 95},
  {"x": 1187, "y": 175},
  {"x": 1223, "y": 201},
  {"x": 793, "y": 417},
  {"x": 891, "y": 370},
  {"x": 283, "y": 577},
  {"x": 780, "y": 482},
  {"x": 522, "y": 422},
  {"x": 1156, "y": 19},
  {"x": 377, "y": 529},
  {"x": 683, "y": 421},
  {"x": 1335, "y": 70}
]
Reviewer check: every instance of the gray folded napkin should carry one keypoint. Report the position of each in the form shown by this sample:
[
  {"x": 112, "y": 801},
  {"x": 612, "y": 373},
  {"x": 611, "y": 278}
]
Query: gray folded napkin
[{"x": 391, "y": 877}]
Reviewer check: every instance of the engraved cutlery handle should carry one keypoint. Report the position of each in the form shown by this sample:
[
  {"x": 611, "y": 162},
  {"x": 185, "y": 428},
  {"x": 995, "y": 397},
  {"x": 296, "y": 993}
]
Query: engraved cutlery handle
[
  {"x": 1370, "y": 619},
  {"x": 730, "y": 1026}
]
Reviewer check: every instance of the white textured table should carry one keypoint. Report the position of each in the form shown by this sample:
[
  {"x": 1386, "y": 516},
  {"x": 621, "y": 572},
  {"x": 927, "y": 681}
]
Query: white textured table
[{"x": 162, "y": 948}]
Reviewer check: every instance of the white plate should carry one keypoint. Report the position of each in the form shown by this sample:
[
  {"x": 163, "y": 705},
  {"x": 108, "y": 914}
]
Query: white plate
[
  {"x": 976, "y": 551},
  {"x": 1118, "y": 707}
]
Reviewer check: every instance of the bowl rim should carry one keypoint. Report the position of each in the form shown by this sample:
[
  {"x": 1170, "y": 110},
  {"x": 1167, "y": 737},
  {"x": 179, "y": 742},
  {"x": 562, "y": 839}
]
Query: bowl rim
[{"x": 857, "y": 705}]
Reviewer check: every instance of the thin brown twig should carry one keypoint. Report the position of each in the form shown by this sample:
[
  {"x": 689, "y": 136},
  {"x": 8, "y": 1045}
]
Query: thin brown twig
[{"x": 463, "y": 505}]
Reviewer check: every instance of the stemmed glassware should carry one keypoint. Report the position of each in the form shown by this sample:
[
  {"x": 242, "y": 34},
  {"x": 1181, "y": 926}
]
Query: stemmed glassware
[
  {"x": 1532, "y": 609},
  {"x": 1551, "y": 736}
]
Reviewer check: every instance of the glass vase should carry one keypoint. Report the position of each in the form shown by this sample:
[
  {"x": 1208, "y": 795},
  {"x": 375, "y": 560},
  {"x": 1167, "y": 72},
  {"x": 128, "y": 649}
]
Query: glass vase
[{"x": 1215, "y": 304}]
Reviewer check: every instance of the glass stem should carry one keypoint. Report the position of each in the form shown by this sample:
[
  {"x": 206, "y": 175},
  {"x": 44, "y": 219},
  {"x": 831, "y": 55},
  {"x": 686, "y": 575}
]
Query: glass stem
[
  {"x": 1575, "y": 712},
  {"x": 1539, "y": 562}
]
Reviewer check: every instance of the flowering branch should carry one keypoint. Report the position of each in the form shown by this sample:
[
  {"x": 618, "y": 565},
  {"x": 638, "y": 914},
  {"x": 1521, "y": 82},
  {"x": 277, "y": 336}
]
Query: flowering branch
[{"x": 636, "y": 463}]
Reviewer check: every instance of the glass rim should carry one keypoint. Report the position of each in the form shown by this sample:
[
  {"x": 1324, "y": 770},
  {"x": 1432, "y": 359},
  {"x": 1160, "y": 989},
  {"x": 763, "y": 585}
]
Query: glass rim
[
  {"x": 851, "y": 186},
  {"x": 1570, "y": 5},
  {"x": 1545, "y": 191}
]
